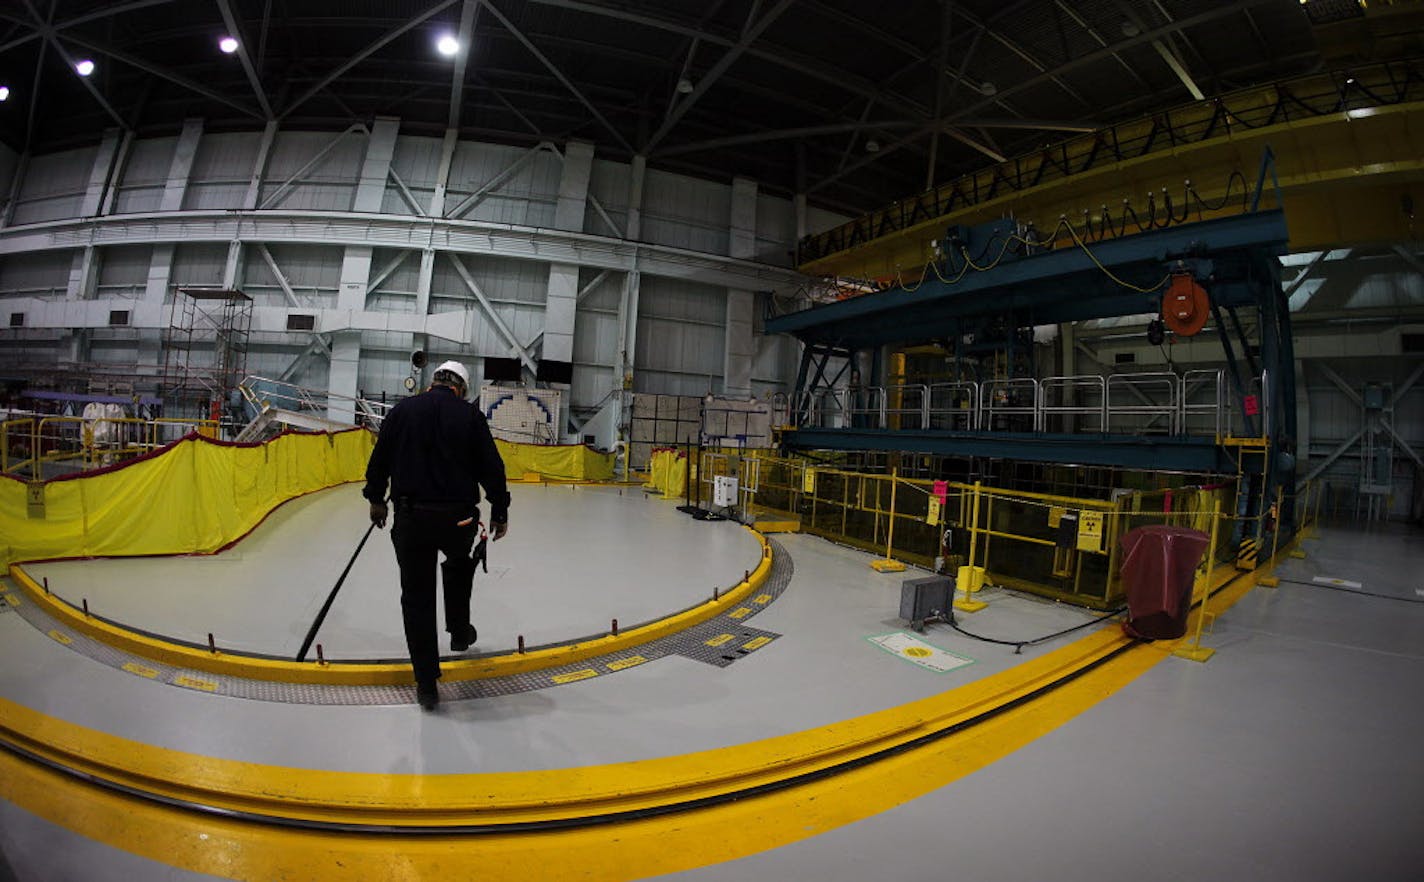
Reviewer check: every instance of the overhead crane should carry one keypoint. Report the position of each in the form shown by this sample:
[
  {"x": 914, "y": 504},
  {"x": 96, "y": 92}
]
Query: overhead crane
[{"x": 991, "y": 284}]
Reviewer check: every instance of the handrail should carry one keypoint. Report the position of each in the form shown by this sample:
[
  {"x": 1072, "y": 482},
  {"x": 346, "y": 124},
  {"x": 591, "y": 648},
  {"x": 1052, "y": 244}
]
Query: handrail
[
  {"x": 1069, "y": 385},
  {"x": 972, "y": 406},
  {"x": 998, "y": 398},
  {"x": 1136, "y": 383},
  {"x": 260, "y": 392}
]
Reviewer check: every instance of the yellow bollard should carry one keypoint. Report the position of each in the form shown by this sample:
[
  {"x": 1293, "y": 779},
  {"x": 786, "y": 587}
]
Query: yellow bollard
[
  {"x": 967, "y": 581},
  {"x": 1195, "y": 651},
  {"x": 889, "y": 565},
  {"x": 1273, "y": 580}
]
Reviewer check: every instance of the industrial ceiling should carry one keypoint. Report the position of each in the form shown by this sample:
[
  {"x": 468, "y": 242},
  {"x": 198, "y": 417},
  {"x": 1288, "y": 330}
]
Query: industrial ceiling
[{"x": 855, "y": 104}]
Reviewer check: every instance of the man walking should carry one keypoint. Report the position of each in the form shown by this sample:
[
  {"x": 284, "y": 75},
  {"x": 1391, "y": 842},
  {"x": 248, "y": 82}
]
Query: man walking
[{"x": 436, "y": 451}]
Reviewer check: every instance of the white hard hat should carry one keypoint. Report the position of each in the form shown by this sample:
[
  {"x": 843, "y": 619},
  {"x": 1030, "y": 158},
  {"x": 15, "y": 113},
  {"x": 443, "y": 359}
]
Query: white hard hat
[{"x": 454, "y": 367}]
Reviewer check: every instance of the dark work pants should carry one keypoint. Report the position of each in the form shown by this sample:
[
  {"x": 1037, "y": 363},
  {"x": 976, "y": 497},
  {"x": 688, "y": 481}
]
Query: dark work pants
[{"x": 419, "y": 534}]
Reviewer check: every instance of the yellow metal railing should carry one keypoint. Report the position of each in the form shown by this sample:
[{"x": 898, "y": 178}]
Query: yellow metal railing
[
  {"x": 1058, "y": 546},
  {"x": 27, "y": 444}
]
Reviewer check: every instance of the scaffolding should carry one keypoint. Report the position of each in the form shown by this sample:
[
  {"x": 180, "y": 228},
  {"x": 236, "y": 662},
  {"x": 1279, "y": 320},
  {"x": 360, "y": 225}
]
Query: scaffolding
[{"x": 205, "y": 347}]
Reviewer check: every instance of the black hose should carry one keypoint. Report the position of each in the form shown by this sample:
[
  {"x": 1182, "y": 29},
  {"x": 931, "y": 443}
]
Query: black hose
[
  {"x": 1352, "y": 590},
  {"x": 326, "y": 607},
  {"x": 1018, "y": 645}
]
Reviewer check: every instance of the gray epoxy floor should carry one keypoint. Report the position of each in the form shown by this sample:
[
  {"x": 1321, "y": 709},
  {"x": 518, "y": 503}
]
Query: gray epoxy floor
[
  {"x": 1290, "y": 755},
  {"x": 1293, "y": 754},
  {"x": 575, "y": 559}
]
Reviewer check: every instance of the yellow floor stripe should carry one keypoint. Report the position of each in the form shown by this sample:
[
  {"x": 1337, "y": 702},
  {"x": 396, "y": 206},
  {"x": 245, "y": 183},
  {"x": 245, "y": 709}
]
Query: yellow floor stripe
[
  {"x": 606, "y": 852},
  {"x": 374, "y": 674}
]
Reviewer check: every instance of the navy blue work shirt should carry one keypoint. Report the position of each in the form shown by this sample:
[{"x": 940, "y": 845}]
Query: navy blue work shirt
[{"x": 435, "y": 448}]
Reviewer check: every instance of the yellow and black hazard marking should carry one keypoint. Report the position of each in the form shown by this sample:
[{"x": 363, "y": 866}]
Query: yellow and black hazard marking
[
  {"x": 1246, "y": 554},
  {"x": 574, "y": 676},
  {"x": 718, "y": 641},
  {"x": 143, "y": 671},
  {"x": 623, "y": 663},
  {"x": 722, "y": 647}
]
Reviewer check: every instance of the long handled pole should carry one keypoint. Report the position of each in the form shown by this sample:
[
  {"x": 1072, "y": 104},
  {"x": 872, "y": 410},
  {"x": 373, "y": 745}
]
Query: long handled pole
[{"x": 326, "y": 607}]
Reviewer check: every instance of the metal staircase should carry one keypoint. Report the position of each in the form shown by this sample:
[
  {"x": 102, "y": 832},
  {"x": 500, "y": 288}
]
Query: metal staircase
[{"x": 278, "y": 406}]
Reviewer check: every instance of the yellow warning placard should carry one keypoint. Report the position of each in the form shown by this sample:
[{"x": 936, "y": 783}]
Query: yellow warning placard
[
  {"x": 12, "y": 600},
  {"x": 756, "y": 643},
  {"x": 1090, "y": 531},
  {"x": 719, "y": 640},
  {"x": 575, "y": 676},
  {"x": 62, "y": 638},
  {"x": 932, "y": 515},
  {"x": 762, "y": 599},
  {"x": 630, "y": 661},
  {"x": 740, "y": 613},
  {"x": 195, "y": 683},
  {"x": 1055, "y": 516},
  {"x": 141, "y": 670},
  {"x": 808, "y": 481}
]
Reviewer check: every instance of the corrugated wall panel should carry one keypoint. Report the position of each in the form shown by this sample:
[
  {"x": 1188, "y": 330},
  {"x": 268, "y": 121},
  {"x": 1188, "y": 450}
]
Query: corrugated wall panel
[
  {"x": 198, "y": 264},
  {"x": 38, "y": 274},
  {"x": 54, "y": 186},
  {"x": 123, "y": 270},
  {"x": 330, "y": 185},
  {"x": 314, "y": 274},
  {"x": 686, "y": 212},
  {"x": 775, "y": 231},
  {"x": 526, "y": 198},
  {"x": 222, "y": 170},
  {"x": 145, "y": 174}
]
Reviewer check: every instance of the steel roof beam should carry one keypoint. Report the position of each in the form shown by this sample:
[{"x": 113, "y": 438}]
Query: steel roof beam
[
  {"x": 1146, "y": 37},
  {"x": 367, "y": 53},
  {"x": 168, "y": 75},
  {"x": 559, "y": 74},
  {"x": 235, "y": 31},
  {"x": 750, "y": 34},
  {"x": 47, "y": 31},
  {"x": 462, "y": 58}
]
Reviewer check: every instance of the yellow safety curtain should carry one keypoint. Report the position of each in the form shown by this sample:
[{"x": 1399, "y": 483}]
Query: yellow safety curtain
[
  {"x": 565, "y": 462},
  {"x": 667, "y": 471},
  {"x": 196, "y": 495}
]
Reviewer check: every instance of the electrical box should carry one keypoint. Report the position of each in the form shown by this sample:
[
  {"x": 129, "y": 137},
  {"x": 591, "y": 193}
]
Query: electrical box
[
  {"x": 922, "y": 597},
  {"x": 724, "y": 491}
]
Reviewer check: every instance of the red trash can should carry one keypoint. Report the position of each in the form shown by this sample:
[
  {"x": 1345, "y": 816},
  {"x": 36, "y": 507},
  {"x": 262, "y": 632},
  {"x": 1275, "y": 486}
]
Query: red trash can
[{"x": 1158, "y": 568}]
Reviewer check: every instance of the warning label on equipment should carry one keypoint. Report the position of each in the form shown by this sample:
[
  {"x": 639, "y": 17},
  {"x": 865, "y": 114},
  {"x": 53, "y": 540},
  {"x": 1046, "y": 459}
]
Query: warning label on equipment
[{"x": 913, "y": 649}]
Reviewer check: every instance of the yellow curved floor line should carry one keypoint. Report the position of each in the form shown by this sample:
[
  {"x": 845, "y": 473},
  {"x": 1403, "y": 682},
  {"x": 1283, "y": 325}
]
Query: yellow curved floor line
[
  {"x": 378, "y": 674},
  {"x": 625, "y": 850},
  {"x": 629, "y": 850}
]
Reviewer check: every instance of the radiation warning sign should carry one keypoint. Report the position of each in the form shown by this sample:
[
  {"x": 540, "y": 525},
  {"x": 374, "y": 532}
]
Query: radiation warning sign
[{"x": 912, "y": 649}]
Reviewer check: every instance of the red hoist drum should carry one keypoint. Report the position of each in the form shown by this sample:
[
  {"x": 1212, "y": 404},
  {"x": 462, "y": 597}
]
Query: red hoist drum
[{"x": 1185, "y": 306}]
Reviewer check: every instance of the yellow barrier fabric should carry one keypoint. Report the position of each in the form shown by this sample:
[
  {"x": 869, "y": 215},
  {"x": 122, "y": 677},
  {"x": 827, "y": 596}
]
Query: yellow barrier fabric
[
  {"x": 667, "y": 471},
  {"x": 560, "y": 462},
  {"x": 195, "y": 496}
]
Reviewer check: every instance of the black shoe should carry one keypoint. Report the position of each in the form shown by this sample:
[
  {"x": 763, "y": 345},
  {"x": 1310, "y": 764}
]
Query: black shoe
[
  {"x": 462, "y": 642},
  {"x": 427, "y": 695}
]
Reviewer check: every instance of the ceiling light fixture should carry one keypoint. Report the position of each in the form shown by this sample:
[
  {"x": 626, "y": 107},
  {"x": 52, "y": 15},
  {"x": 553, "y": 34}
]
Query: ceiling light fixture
[
  {"x": 988, "y": 88},
  {"x": 872, "y": 146},
  {"x": 228, "y": 45},
  {"x": 4, "y": 93},
  {"x": 1130, "y": 29},
  {"x": 447, "y": 45},
  {"x": 684, "y": 86},
  {"x": 84, "y": 68}
]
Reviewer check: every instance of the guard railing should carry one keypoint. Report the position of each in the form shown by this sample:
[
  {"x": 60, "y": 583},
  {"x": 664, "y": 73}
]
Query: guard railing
[{"x": 1197, "y": 402}]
